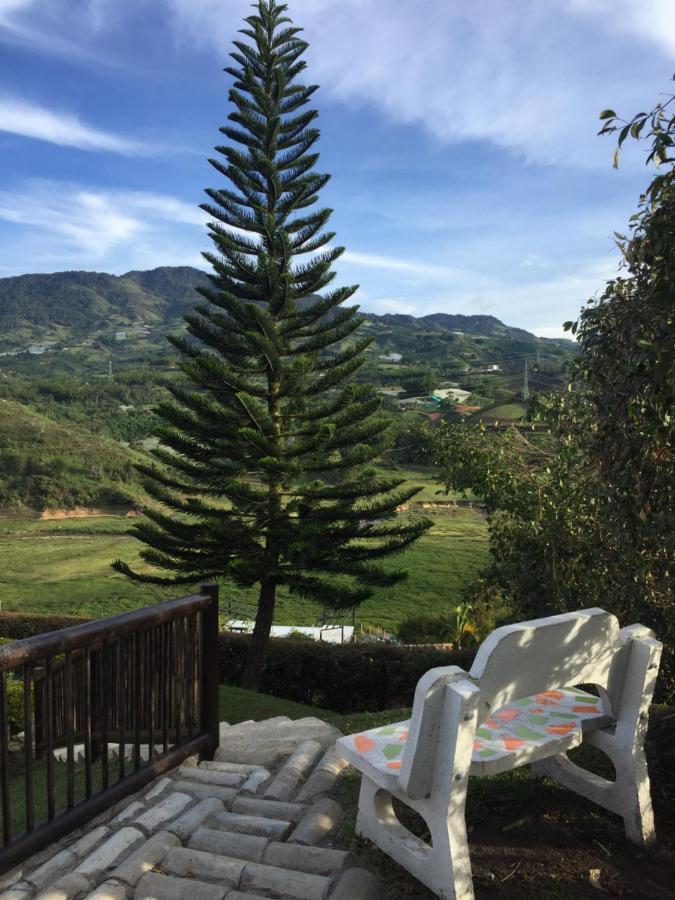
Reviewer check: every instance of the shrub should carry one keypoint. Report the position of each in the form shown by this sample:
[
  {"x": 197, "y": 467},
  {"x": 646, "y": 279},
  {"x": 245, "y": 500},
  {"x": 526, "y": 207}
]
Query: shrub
[
  {"x": 16, "y": 626},
  {"x": 344, "y": 678},
  {"x": 453, "y": 627},
  {"x": 15, "y": 704}
]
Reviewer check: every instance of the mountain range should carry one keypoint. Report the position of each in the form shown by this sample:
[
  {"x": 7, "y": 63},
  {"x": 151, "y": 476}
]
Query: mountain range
[{"x": 72, "y": 305}]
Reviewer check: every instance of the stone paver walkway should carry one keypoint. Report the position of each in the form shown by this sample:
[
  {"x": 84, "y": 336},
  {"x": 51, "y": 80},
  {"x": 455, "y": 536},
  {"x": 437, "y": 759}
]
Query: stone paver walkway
[{"x": 254, "y": 823}]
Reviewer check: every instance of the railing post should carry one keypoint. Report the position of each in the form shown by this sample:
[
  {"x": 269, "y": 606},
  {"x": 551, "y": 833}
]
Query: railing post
[{"x": 210, "y": 670}]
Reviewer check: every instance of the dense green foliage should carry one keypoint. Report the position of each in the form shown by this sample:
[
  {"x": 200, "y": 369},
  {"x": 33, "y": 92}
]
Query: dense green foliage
[
  {"x": 582, "y": 515},
  {"x": 262, "y": 473}
]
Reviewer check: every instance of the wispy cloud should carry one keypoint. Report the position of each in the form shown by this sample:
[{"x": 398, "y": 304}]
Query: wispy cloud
[
  {"x": 396, "y": 264},
  {"x": 21, "y": 117},
  {"x": 10, "y": 7},
  {"x": 62, "y": 224},
  {"x": 653, "y": 20},
  {"x": 526, "y": 76}
]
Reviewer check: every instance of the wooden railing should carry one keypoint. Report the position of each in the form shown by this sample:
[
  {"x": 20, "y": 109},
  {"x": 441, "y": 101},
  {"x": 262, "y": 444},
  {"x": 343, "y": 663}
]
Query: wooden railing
[{"x": 143, "y": 684}]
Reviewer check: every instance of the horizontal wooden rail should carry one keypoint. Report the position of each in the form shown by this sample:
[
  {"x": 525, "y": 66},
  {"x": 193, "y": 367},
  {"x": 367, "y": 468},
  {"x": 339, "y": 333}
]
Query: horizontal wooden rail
[
  {"x": 144, "y": 679},
  {"x": 54, "y": 643}
]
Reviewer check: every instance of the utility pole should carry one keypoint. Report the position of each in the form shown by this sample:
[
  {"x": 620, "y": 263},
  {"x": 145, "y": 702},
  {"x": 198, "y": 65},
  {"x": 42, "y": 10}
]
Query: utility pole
[{"x": 526, "y": 384}]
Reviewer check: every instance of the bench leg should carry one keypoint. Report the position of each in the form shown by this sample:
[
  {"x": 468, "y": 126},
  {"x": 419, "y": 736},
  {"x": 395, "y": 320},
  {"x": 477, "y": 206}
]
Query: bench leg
[
  {"x": 628, "y": 796},
  {"x": 444, "y": 865}
]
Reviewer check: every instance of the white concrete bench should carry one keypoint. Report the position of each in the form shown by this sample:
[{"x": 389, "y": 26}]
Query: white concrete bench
[{"x": 520, "y": 704}]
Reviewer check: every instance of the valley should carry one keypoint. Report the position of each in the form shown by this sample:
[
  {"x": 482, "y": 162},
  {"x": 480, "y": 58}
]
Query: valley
[{"x": 84, "y": 360}]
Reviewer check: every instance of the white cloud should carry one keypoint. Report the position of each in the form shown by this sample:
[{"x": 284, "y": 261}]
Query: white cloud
[
  {"x": 383, "y": 305},
  {"x": 540, "y": 305},
  {"x": 8, "y": 7},
  {"x": 527, "y": 76},
  {"x": 62, "y": 225},
  {"x": 396, "y": 264},
  {"x": 27, "y": 119},
  {"x": 653, "y": 20},
  {"x": 548, "y": 332}
]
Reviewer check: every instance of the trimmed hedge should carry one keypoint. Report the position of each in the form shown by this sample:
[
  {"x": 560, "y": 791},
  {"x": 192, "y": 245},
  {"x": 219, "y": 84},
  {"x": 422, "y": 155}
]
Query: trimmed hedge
[
  {"x": 344, "y": 678},
  {"x": 17, "y": 626}
]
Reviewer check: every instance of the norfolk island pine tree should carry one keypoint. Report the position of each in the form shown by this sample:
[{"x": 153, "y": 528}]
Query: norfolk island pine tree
[{"x": 264, "y": 470}]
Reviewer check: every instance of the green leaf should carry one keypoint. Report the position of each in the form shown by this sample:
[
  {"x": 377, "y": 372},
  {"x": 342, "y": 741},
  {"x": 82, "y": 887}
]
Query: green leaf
[
  {"x": 608, "y": 114},
  {"x": 616, "y": 158}
]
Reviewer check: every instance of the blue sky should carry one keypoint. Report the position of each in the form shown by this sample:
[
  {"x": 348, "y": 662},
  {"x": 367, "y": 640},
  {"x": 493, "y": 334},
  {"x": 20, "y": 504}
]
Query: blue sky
[{"x": 467, "y": 175}]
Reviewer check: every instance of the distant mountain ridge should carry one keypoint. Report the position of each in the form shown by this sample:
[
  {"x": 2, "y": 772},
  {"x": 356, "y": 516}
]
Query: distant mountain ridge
[
  {"x": 76, "y": 304},
  {"x": 89, "y": 301},
  {"x": 487, "y": 326}
]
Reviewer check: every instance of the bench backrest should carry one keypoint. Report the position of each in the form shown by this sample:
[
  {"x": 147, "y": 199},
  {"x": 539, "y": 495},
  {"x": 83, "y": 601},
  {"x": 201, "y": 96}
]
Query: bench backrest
[{"x": 531, "y": 657}]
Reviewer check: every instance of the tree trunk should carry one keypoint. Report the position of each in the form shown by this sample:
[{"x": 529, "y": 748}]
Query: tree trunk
[{"x": 257, "y": 654}]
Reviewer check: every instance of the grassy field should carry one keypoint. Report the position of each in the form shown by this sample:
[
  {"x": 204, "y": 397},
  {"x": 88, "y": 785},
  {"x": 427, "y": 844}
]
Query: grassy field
[
  {"x": 63, "y": 567},
  {"x": 425, "y": 477}
]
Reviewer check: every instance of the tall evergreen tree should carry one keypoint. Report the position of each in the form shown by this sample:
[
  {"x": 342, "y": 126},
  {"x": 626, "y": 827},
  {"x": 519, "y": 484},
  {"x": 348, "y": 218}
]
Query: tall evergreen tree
[{"x": 264, "y": 472}]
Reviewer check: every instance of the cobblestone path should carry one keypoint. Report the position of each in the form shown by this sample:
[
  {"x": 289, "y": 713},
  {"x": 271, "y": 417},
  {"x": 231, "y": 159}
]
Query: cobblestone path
[{"x": 254, "y": 823}]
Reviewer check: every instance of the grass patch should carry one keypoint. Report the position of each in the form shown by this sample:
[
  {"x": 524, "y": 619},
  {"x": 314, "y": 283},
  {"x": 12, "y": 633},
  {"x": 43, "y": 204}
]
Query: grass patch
[{"x": 63, "y": 567}]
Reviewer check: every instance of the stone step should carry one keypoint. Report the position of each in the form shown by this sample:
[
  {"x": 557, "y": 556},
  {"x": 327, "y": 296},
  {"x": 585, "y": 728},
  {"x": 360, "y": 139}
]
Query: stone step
[
  {"x": 284, "y": 882},
  {"x": 274, "y": 829},
  {"x": 250, "y": 726},
  {"x": 110, "y": 853},
  {"x": 314, "y": 860},
  {"x": 293, "y": 772},
  {"x": 191, "y": 863},
  {"x": 229, "y": 843},
  {"x": 236, "y": 873},
  {"x": 163, "y": 812},
  {"x": 211, "y": 776},
  {"x": 206, "y": 791},
  {"x": 266, "y": 745},
  {"x": 237, "y": 895},
  {"x": 272, "y": 809},
  {"x": 323, "y": 778},
  {"x": 194, "y": 817},
  {"x": 164, "y": 887},
  {"x": 322, "y": 818},
  {"x": 66, "y": 888},
  {"x": 148, "y": 856},
  {"x": 109, "y": 890},
  {"x": 238, "y": 768}
]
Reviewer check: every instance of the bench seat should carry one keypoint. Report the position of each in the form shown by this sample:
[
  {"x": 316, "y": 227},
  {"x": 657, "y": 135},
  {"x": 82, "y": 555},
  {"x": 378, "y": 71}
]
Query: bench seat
[{"x": 515, "y": 735}]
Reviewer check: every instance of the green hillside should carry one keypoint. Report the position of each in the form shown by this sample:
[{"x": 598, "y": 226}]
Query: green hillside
[
  {"x": 66, "y": 306},
  {"x": 47, "y": 465}
]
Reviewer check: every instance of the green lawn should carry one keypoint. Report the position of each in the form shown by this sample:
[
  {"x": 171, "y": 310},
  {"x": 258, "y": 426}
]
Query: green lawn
[
  {"x": 425, "y": 477},
  {"x": 63, "y": 567}
]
